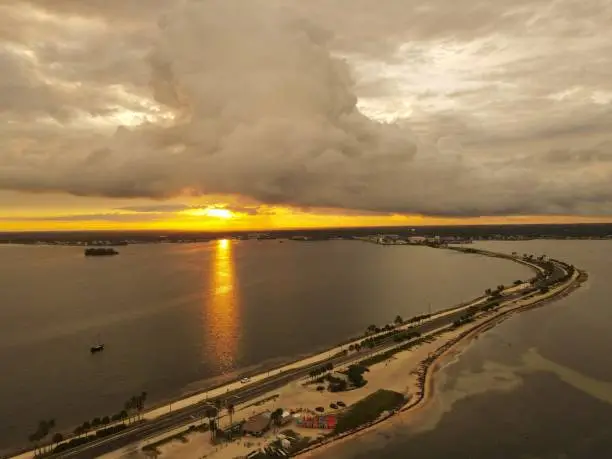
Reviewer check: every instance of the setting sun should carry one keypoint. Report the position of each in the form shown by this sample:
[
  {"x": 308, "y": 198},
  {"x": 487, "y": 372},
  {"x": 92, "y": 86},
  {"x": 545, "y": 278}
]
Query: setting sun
[{"x": 216, "y": 212}]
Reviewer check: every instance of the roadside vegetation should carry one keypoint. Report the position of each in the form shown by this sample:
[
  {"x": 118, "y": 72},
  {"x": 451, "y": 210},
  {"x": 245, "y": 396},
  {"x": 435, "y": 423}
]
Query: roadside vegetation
[
  {"x": 89, "y": 431},
  {"x": 369, "y": 409}
]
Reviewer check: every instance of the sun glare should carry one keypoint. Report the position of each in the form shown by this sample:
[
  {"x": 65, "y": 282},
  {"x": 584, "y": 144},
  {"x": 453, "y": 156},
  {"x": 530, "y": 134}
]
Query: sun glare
[{"x": 215, "y": 212}]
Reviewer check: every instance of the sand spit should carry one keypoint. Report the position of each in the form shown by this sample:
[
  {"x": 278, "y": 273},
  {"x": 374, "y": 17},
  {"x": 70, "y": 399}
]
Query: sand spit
[{"x": 454, "y": 343}]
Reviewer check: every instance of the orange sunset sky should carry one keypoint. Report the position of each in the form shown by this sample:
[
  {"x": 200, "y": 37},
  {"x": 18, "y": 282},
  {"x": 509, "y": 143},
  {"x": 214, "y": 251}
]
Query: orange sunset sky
[
  {"x": 52, "y": 212},
  {"x": 193, "y": 115}
]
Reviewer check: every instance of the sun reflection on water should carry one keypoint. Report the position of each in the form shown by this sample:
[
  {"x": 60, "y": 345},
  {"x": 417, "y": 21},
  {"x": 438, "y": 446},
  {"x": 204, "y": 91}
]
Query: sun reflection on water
[{"x": 222, "y": 311}]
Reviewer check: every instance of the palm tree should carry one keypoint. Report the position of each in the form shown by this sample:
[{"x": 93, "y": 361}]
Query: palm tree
[
  {"x": 276, "y": 416},
  {"x": 219, "y": 406},
  {"x": 128, "y": 406},
  {"x": 50, "y": 425},
  {"x": 211, "y": 413},
  {"x": 57, "y": 438},
  {"x": 120, "y": 416},
  {"x": 43, "y": 429},
  {"x": 140, "y": 403},
  {"x": 230, "y": 411},
  {"x": 135, "y": 405},
  {"x": 34, "y": 438},
  {"x": 95, "y": 423}
]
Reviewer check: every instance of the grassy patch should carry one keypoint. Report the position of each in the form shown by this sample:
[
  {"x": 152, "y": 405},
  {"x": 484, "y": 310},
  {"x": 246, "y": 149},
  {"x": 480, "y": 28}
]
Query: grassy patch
[
  {"x": 369, "y": 409},
  {"x": 181, "y": 436}
]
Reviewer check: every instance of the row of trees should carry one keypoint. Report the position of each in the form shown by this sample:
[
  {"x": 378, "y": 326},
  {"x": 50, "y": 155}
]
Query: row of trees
[
  {"x": 316, "y": 372},
  {"x": 135, "y": 406},
  {"x": 133, "y": 409},
  {"x": 405, "y": 336},
  {"x": 467, "y": 317},
  {"x": 529, "y": 257},
  {"x": 416, "y": 319},
  {"x": 497, "y": 291},
  {"x": 373, "y": 329},
  {"x": 390, "y": 329},
  {"x": 43, "y": 429},
  {"x": 489, "y": 306},
  {"x": 213, "y": 411}
]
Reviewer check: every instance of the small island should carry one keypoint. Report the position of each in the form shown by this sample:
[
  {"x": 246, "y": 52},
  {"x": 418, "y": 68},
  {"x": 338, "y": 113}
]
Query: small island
[{"x": 100, "y": 251}]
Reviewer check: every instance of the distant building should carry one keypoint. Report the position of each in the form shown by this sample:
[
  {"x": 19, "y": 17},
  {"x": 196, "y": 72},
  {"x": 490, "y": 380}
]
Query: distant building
[
  {"x": 257, "y": 425},
  {"x": 417, "y": 239}
]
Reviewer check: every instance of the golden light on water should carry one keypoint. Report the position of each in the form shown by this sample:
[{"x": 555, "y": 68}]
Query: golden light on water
[{"x": 223, "y": 308}]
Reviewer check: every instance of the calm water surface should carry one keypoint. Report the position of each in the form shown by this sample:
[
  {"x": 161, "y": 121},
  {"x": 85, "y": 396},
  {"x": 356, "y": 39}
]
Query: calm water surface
[
  {"x": 173, "y": 317},
  {"x": 538, "y": 386}
]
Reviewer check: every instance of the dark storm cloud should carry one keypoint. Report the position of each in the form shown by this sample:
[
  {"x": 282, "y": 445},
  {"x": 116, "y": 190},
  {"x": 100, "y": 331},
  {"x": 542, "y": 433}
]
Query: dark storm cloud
[
  {"x": 155, "y": 208},
  {"x": 105, "y": 217},
  {"x": 259, "y": 99}
]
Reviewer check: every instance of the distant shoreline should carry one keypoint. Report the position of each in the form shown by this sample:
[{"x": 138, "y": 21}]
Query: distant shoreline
[{"x": 346, "y": 238}]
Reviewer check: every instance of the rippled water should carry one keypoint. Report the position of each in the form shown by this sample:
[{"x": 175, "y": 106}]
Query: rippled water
[{"x": 538, "y": 386}]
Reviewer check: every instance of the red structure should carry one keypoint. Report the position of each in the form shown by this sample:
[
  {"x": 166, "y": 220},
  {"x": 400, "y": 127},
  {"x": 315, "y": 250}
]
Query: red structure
[{"x": 318, "y": 422}]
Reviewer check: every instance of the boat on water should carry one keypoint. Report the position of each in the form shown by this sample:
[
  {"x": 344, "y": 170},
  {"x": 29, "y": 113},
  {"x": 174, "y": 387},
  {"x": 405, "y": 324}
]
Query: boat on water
[
  {"x": 100, "y": 251},
  {"x": 97, "y": 348}
]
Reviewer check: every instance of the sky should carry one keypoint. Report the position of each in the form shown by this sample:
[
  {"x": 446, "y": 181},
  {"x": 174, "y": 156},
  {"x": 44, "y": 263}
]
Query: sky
[{"x": 255, "y": 114}]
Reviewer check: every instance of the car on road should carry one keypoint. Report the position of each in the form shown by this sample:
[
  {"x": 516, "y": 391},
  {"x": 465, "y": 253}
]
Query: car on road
[{"x": 245, "y": 380}]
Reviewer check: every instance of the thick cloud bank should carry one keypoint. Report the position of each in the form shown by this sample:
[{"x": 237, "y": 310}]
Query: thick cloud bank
[{"x": 250, "y": 98}]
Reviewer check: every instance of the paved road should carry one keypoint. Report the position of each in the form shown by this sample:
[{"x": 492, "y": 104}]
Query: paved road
[{"x": 190, "y": 414}]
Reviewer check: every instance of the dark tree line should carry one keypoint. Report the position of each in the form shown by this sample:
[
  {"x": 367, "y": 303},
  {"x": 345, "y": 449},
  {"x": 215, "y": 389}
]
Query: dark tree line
[
  {"x": 316, "y": 372},
  {"x": 43, "y": 429},
  {"x": 133, "y": 409}
]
